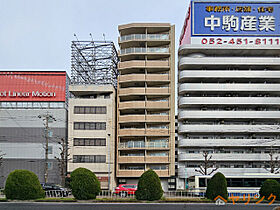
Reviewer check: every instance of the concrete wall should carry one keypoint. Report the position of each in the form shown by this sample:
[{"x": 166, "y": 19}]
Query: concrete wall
[{"x": 22, "y": 141}]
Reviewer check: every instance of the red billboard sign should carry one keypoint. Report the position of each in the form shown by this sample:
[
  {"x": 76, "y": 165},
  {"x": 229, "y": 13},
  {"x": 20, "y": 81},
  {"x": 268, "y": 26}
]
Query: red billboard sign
[{"x": 32, "y": 86}]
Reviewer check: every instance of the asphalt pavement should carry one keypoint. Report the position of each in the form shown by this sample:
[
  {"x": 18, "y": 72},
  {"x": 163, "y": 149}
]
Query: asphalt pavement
[{"x": 127, "y": 206}]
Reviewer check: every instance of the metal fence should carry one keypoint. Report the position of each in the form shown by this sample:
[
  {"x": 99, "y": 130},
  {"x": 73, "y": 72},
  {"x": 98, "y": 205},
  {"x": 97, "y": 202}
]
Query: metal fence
[
  {"x": 123, "y": 194},
  {"x": 168, "y": 194},
  {"x": 57, "y": 193}
]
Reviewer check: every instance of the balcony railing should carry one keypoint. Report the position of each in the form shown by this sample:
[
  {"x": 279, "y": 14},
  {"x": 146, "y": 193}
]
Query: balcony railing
[
  {"x": 145, "y": 50},
  {"x": 132, "y": 145},
  {"x": 144, "y": 37}
]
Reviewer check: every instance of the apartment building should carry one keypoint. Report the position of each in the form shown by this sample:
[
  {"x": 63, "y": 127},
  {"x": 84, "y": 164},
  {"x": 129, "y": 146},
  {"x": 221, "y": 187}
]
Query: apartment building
[
  {"x": 146, "y": 96},
  {"x": 228, "y": 93}
]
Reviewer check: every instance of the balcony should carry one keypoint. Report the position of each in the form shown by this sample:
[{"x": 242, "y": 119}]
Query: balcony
[
  {"x": 157, "y": 104},
  {"x": 131, "y": 132},
  {"x": 229, "y": 115},
  {"x": 143, "y": 118},
  {"x": 157, "y": 77},
  {"x": 157, "y": 91},
  {"x": 131, "y": 159},
  {"x": 143, "y": 50},
  {"x": 143, "y": 132},
  {"x": 186, "y": 75},
  {"x": 143, "y": 145},
  {"x": 130, "y": 173},
  {"x": 190, "y": 62},
  {"x": 131, "y": 91},
  {"x": 157, "y": 132},
  {"x": 188, "y": 128},
  {"x": 237, "y": 87},
  {"x": 131, "y": 118},
  {"x": 190, "y": 101},
  {"x": 143, "y": 64},
  {"x": 131, "y": 37},
  {"x": 225, "y": 157},
  {"x": 132, "y": 78},
  {"x": 143, "y": 77},
  {"x": 182, "y": 171},
  {"x": 157, "y": 118},
  {"x": 210, "y": 143},
  {"x": 162, "y": 173},
  {"x": 155, "y": 159},
  {"x": 142, "y": 104},
  {"x": 132, "y": 105},
  {"x": 157, "y": 64}
]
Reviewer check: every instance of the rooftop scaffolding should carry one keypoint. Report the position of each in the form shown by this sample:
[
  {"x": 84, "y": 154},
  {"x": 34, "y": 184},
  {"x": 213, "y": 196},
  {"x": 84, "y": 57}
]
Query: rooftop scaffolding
[{"x": 94, "y": 62}]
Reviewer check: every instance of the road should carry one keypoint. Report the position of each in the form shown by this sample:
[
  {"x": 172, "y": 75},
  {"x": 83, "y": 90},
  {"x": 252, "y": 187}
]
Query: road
[{"x": 128, "y": 206}]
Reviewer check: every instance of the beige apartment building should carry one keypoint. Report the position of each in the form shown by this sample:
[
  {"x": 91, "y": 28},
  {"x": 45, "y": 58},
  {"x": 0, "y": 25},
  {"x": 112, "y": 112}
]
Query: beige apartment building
[
  {"x": 91, "y": 131},
  {"x": 146, "y": 102}
]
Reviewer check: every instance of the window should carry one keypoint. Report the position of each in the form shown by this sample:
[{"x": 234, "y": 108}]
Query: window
[
  {"x": 89, "y": 158},
  {"x": 89, "y": 142},
  {"x": 50, "y": 165},
  {"x": 158, "y": 167},
  {"x": 158, "y": 154},
  {"x": 50, "y": 149},
  {"x": 90, "y": 110},
  {"x": 89, "y": 126},
  {"x": 107, "y": 95}
]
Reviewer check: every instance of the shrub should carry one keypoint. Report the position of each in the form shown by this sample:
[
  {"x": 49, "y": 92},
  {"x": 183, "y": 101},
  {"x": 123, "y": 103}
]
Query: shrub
[
  {"x": 149, "y": 187},
  {"x": 84, "y": 184},
  {"x": 270, "y": 186},
  {"x": 217, "y": 185},
  {"x": 23, "y": 185}
]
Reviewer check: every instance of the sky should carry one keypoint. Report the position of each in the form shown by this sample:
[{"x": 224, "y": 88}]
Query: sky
[{"x": 37, "y": 34}]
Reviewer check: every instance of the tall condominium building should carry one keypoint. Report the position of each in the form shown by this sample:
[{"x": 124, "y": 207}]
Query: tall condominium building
[
  {"x": 92, "y": 109},
  {"x": 33, "y": 115},
  {"x": 146, "y": 93},
  {"x": 228, "y": 91}
]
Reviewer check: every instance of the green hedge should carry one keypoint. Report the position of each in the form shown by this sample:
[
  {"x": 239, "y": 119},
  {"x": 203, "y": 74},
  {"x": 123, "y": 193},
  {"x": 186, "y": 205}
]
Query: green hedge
[
  {"x": 84, "y": 184},
  {"x": 270, "y": 186},
  {"x": 149, "y": 187},
  {"x": 217, "y": 185},
  {"x": 23, "y": 185}
]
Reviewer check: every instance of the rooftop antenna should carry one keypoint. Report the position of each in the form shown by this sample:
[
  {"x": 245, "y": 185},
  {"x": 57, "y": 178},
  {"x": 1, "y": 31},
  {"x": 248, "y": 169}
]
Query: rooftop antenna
[
  {"x": 104, "y": 37},
  {"x": 91, "y": 37},
  {"x": 76, "y": 37}
]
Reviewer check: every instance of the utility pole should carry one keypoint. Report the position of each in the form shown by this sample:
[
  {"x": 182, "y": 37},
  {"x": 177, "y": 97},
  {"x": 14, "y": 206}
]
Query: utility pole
[{"x": 46, "y": 117}]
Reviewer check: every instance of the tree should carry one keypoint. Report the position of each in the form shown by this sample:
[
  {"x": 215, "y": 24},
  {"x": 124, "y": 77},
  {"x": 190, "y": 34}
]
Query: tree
[
  {"x": 23, "y": 185},
  {"x": 273, "y": 165},
  {"x": 207, "y": 163},
  {"x": 149, "y": 187},
  {"x": 217, "y": 185},
  {"x": 84, "y": 184},
  {"x": 270, "y": 186},
  {"x": 62, "y": 159}
]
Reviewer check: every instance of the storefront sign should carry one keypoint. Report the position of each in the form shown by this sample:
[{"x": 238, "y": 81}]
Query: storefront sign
[{"x": 228, "y": 23}]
